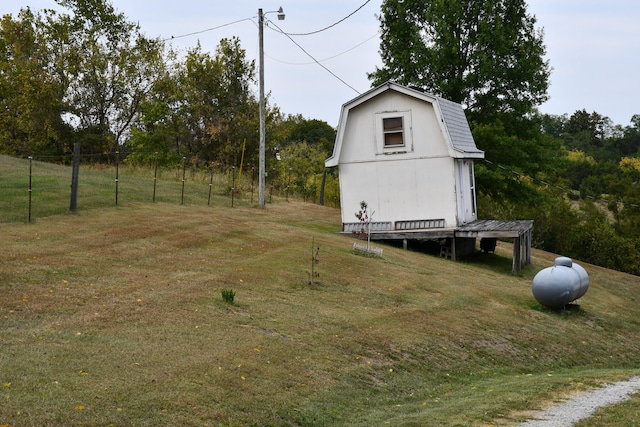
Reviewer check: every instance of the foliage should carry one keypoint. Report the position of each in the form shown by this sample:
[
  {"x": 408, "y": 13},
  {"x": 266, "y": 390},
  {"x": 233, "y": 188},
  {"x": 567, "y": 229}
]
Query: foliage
[
  {"x": 31, "y": 90},
  {"x": 203, "y": 108},
  {"x": 314, "y": 132},
  {"x": 485, "y": 54},
  {"x": 331, "y": 189},
  {"x": 582, "y": 230},
  {"x": 228, "y": 295},
  {"x": 110, "y": 66},
  {"x": 299, "y": 170}
]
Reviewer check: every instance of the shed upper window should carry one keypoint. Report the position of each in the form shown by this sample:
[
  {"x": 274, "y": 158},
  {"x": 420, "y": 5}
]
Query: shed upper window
[
  {"x": 393, "y": 133},
  {"x": 393, "y": 130}
]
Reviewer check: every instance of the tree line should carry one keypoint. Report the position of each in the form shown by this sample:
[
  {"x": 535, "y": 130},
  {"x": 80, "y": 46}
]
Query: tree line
[
  {"x": 576, "y": 176},
  {"x": 89, "y": 75}
]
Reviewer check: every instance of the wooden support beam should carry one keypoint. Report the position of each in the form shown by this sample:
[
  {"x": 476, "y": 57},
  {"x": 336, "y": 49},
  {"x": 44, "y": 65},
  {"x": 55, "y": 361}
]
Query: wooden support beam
[{"x": 515, "y": 269}]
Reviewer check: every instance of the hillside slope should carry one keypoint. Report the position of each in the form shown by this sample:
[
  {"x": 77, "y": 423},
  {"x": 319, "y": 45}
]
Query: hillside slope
[{"x": 114, "y": 316}]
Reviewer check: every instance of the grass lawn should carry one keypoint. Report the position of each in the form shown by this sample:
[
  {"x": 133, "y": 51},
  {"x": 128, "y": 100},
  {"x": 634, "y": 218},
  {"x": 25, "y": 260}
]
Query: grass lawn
[{"x": 114, "y": 317}]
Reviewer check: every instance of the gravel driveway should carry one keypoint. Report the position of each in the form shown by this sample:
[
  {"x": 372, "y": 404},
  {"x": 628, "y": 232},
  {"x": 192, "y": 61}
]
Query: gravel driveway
[{"x": 584, "y": 405}]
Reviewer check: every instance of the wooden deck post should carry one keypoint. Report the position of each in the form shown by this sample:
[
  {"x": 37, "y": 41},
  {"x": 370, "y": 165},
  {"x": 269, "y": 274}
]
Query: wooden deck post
[
  {"x": 453, "y": 248},
  {"x": 515, "y": 268}
]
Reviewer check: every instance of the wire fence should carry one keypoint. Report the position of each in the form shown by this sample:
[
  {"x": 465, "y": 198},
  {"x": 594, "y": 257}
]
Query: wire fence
[{"x": 40, "y": 186}]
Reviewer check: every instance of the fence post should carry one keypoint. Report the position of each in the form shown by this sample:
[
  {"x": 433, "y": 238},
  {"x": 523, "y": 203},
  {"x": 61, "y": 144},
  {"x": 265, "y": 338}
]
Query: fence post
[
  {"x": 155, "y": 178},
  {"x": 117, "y": 174},
  {"x": 75, "y": 173},
  {"x": 324, "y": 181},
  {"x": 253, "y": 176},
  {"x": 233, "y": 183},
  {"x": 184, "y": 169},
  {"x": 210, "y": 186},
  {"x": 30, "y": 184}
]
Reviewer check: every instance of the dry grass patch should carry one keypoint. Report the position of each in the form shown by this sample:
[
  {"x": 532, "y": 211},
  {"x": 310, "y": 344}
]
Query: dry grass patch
[{"x": 115, "y": 317}]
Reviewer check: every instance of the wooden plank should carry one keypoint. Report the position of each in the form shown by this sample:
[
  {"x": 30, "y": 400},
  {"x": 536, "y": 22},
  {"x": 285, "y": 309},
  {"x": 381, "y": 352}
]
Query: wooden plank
[
  {"x": 488, "y": 233},
  {"x": 413, "y": 235},
  {"x": 515, "y": 268}
]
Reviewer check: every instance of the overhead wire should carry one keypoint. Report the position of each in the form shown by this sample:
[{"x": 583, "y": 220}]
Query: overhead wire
[
  {"x": 325, "y": 59},
  {"x": 332, "y": 25},
  {"x": 288, "y": 35},
  {"x": 314, "y": 59},
  {"x": 207, "y": 30}
]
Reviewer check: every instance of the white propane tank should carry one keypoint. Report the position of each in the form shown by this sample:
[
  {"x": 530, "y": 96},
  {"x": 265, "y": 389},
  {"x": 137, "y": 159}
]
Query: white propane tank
[{"x": 557, "y": 286}]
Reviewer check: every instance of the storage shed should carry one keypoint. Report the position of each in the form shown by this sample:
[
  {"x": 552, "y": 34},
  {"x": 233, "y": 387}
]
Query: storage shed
[{"x": 410, "y": 156}]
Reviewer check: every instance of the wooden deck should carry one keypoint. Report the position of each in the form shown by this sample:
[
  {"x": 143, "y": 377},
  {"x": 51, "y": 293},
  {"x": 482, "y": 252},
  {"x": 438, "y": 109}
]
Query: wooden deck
[{"x": 518, "y": 230}]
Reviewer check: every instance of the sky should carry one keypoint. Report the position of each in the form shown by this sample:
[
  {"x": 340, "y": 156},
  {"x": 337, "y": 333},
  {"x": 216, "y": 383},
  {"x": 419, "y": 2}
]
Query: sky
[{"x": 593, "y": 48}]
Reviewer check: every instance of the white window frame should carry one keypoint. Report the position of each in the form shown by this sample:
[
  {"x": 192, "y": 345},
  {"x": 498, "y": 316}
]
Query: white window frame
[{"x": 407, "y": 138}]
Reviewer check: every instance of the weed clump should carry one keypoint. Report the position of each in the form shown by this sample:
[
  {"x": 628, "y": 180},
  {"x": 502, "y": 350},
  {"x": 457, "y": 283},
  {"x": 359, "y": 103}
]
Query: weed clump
[{"x": 228, "y": 295}]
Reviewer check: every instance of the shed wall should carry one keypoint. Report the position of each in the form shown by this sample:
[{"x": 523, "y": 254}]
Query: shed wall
[
  {"x": 414, "y": 182},
  {"x": 415, "y": 189}
]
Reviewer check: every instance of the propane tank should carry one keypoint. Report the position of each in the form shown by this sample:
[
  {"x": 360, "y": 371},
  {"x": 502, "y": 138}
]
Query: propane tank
[{"x": 561, "y": 284}]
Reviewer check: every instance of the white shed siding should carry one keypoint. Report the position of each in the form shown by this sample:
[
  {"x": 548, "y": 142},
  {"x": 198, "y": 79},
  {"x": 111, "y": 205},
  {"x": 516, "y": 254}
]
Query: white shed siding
[
  {"x": 436, "y": 190},
  {"x": 424, "y": 178},
  {"x": 415, "y": 189},
  {"x": 359, "y": 133}
]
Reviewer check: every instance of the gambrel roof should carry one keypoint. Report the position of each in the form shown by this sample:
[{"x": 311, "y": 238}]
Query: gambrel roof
[
  {"x": 453, "y": 122},
  {"x": 456, "y": 123}
]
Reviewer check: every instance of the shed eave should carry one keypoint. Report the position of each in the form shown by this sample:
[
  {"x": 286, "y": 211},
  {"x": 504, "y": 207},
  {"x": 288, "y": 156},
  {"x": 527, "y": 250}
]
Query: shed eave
[
  {"x": 331, "y": 162},
  {"x": 468, "y": 154}
]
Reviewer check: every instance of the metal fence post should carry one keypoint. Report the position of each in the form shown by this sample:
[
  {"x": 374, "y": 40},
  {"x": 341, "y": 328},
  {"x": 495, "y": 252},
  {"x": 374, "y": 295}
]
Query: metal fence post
[
  {"x": 30, "y": 184},
  {"x": 210, "y": 186},
  {"x": 233, "y": 183},
  {"x": 117, "y": 174},
  {"x": 184, "y": 169},
  {"x": 75, "y": 173},
  {"x": 155, "y": 178}
]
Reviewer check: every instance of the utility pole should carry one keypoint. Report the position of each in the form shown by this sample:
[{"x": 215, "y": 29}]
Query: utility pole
[{"x": 261, "y": 166}]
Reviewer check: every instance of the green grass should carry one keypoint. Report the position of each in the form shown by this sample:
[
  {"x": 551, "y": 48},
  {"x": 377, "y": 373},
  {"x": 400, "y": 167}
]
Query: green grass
[
  {"x": 114, "y": 316},
  {"x": 51, "y": 188}
]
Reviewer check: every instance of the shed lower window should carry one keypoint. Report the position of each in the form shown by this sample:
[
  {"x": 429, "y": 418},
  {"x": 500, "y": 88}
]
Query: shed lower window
[{"x": 393, "y": 130}]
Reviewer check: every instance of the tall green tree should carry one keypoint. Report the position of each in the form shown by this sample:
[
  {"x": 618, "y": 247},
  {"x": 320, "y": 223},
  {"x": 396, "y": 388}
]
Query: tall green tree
[
  {"x": 31, "y": 94},
  {"x": 110, "y": 66},
  {"x": 485, "y": 54},
  {"x": 203, "y": 107}
]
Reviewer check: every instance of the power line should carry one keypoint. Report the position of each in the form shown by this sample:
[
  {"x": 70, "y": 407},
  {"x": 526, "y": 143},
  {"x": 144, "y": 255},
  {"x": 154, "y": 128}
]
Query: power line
[
  {"x": 330, "y": 26},
  {"x": 314, "y": 59},
  {"x": 279, "y": 29},
  {"x": 208, "y": 29},
  {"x": 326, "y": 59}
]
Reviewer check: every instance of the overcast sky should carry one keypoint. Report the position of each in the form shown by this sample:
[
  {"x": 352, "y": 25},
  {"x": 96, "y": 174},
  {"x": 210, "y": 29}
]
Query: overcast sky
[{"x": 593, "y": 47}]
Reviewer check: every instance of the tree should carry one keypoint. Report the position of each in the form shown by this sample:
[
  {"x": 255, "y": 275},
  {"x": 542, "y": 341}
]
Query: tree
[
  {"x": 202, "y": 107},
  {"x": 300, "y": 169},
  {"x": 31, "y": 94},
  {"x": 312, "y": 131},
  {"x": 110, "y": 67},
  {"x": 485, "y": 54}
]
